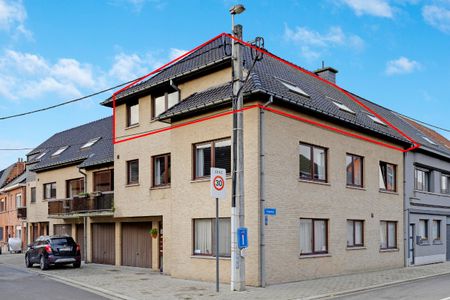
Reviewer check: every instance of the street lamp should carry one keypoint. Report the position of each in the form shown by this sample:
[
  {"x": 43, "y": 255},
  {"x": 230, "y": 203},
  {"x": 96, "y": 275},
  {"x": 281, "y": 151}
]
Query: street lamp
[{"x": 237, "y": 200}]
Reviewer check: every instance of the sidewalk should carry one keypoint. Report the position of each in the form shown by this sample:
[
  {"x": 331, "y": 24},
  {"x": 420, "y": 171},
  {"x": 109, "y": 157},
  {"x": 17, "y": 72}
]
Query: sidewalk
[{"x": 137, "y": 283}]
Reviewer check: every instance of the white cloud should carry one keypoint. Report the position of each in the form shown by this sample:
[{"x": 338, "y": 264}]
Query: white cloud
[
  {"x": 13, "y": 16},
  {"x": 138, "y": 5},
  {"x": 313, "y": 44},
  {"x": 401, "y": 65},
  {"x": 175, "y": 53},
  {"x": 437, "y": 16},
  {"x": 377, "y": 8}
]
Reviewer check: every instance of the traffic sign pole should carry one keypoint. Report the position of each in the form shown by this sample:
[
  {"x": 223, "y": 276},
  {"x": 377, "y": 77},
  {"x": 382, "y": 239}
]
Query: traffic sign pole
[{"x": 217, "y": 244}]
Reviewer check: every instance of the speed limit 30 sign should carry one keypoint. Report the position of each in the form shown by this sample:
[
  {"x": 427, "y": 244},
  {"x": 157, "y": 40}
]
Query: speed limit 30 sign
[{"x": 218, "y": 183}]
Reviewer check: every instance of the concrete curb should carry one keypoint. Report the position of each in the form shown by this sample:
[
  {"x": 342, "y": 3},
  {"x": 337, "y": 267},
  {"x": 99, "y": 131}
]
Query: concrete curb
[{"x": 372, "y": 287}]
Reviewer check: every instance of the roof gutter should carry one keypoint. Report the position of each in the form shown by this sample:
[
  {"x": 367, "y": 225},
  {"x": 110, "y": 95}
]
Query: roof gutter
[{"x": 12, "y": 187}]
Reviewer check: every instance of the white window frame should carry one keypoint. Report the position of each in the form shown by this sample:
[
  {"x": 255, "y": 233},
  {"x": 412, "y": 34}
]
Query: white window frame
[{"x": 60, "y": 150}]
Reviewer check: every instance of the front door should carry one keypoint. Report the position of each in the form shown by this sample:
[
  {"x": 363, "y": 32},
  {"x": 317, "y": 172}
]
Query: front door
[
  {"x": 448, "y": 242},
  {"x": 411, "y": 244}
]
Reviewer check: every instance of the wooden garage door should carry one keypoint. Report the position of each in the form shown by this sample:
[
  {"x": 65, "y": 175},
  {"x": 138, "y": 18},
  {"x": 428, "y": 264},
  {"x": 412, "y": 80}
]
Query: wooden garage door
[
  {"x": 80, "y": 239},
  {"x": 103, "y": 243},
  {"x": 62, "y": 229},
  {"x": 137, "y": 245}
]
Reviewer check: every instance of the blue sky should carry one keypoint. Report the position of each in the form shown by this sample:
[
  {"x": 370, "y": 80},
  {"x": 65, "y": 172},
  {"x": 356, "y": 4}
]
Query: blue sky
[{"x": 393, "y": 52}]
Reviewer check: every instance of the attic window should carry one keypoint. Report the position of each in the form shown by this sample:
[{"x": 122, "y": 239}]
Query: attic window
[
  {"x": 428, "y": 140},
  {"x": 376, "y": 120},
  {"x": 343, "y": 107},
  {"x": 41, "y": 155},
  {"x": 60, "y": 150},
  {"x": 294, "y": 88},
  {"x": 90, "y": 143}
]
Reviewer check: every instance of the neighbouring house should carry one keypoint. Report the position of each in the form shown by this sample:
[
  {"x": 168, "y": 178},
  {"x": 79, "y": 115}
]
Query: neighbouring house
[
  {"x": 339, "y": 198},
  {"x": 70, "y": 187},
  {"x": 12, "y": 204},
  {"x": 427, "y": 197}
]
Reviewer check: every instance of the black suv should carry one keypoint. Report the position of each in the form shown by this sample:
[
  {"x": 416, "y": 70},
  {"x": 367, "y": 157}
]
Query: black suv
[{"x": 53, "y": 250}]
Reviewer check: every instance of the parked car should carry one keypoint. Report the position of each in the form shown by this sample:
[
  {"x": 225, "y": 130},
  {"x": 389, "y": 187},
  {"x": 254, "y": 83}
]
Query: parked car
[
  {"x": 14, "y": 245},
  {"x": 53, "y": 250}
]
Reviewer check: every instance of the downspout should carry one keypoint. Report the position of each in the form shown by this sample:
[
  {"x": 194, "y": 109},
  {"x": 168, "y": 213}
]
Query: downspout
[
  {"x": 406, "y": 216},
  {"x": 84, "y": 220},
  {"x": 262, "y": 251}
]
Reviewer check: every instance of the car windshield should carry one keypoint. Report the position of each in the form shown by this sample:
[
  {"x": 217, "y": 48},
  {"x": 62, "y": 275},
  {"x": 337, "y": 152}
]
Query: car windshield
[{"x": 62, "y": 241}]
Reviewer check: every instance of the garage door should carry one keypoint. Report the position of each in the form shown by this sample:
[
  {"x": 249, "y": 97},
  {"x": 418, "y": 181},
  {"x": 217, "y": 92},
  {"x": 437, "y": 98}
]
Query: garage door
[
  {"x": 62, "y": 229},
  {"x": 103, "y": 243},
  {"x": 137, "y": 245}
]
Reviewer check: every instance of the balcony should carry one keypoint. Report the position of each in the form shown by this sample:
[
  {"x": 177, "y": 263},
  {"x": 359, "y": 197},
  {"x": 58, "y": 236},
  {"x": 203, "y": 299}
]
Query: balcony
[
  {"x": 22, "y": 212},
  {"x": 100, "y": 203}
]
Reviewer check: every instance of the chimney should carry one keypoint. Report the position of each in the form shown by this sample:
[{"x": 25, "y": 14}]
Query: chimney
[{"x": 327, "y": 73}]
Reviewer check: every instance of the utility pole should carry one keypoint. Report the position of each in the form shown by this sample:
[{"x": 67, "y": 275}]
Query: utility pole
[{"x": 237, "y": 202}]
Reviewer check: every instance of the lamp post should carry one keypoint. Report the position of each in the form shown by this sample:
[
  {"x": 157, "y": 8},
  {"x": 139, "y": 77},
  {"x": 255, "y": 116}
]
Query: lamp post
[{"x": 237, "y": 202}]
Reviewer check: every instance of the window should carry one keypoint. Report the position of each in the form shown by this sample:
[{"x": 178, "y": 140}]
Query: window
[
  {"x": 313, "y": 236},
  {"x": 436, "y": 230},
  {"x": 423, "y": 229},
  {"x": 90, "y": 143},
  {"x": 133, "y": 171},
  {"x": 133, "y": 114},
  {"x": 355, "y": 233},
  {"x": 74, "y": 187},
  {"x": 293, "y": 88},
  {"x": 164, "y": 102},
  {"x": 104, "y": 181},
  {"x": 50, "y": 190},
  {"x": 205, "y": 237},
  {"x": 18, "y": 200},
  {"x": 388, "y": 180},
  {"x": 354, "y": 167},
  {"x": 1, "y": 233},
  {"x": 445, "y": 184},
  {"x": 214, "y": 154},
  {"x": 33, "y": 195},
  {"x": 60, "y": 150},
  {"x": 376, "y": 120},
  {"x": 41, "y": 155},
  {"x": 313, "y": 162},
  {"x": 343, "y": 107},
  {"x": 2, "y": 205},
  {"x": 422, "y": 180},
  {"x": 388, "y": 235},
  {"x": 161, "y": 170}
]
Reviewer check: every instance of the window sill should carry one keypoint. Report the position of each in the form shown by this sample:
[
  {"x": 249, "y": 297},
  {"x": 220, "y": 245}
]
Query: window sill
[
  {"x": 353, "y": 187},
  {"x": 160, "y": 187},
  {"x": 210, "y": 257},
  {"x": 356, "y": 248},
  {"x": 314, "y": 255},
  {"x": 389, "y": 250},
  {"x": 424, "y": 243},
  {"x": 388, "y": 192},
  {"x": 132, "y": 184},
  {"x": 314, "y": 182},
  {"x": 132, "y": 126},
  {"x": 437, "y": 242},
  {"x": 206, "y": 179}
]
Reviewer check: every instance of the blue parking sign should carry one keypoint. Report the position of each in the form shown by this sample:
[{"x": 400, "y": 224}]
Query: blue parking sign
[{"x": 242, "y": 237}]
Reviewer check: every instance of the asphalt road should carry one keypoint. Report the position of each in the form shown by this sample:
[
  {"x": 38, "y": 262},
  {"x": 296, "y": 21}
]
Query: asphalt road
[
  {"x": 437, "y": 288},
  {"x": 16, "y": 284}
]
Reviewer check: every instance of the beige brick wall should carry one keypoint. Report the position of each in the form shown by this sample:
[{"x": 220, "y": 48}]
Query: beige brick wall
[{"x": 334, "y": 201}]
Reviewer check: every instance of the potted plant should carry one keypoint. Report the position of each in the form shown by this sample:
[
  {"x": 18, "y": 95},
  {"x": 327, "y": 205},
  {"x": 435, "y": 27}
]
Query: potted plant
[{"x": 154, "y": 233}]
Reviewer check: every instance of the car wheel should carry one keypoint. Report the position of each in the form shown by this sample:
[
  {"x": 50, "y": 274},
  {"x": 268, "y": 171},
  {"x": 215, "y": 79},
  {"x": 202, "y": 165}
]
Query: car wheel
[
  {"x": 43, "y": 263},
  {"x": 28, "y": 262},
  {"x": 77, "y": 265}
]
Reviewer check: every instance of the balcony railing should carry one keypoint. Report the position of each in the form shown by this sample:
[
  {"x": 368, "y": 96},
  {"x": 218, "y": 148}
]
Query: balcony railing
[
  {"x": 22, "y": 212},
  {"x": 93, "y": 203}
]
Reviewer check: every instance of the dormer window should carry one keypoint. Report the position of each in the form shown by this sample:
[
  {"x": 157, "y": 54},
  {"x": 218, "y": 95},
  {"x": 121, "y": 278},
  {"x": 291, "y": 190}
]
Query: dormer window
[
  {"x": 60, "y": 150},
  {"x": 343, "y": 107},
  {"x": 164, "y": 102},
  {"x": 90, "y": 143},
  {"x": 132, "y": 113},
  {"x": 293, "y": 88},
  {"x": 376, "y": 120}
]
